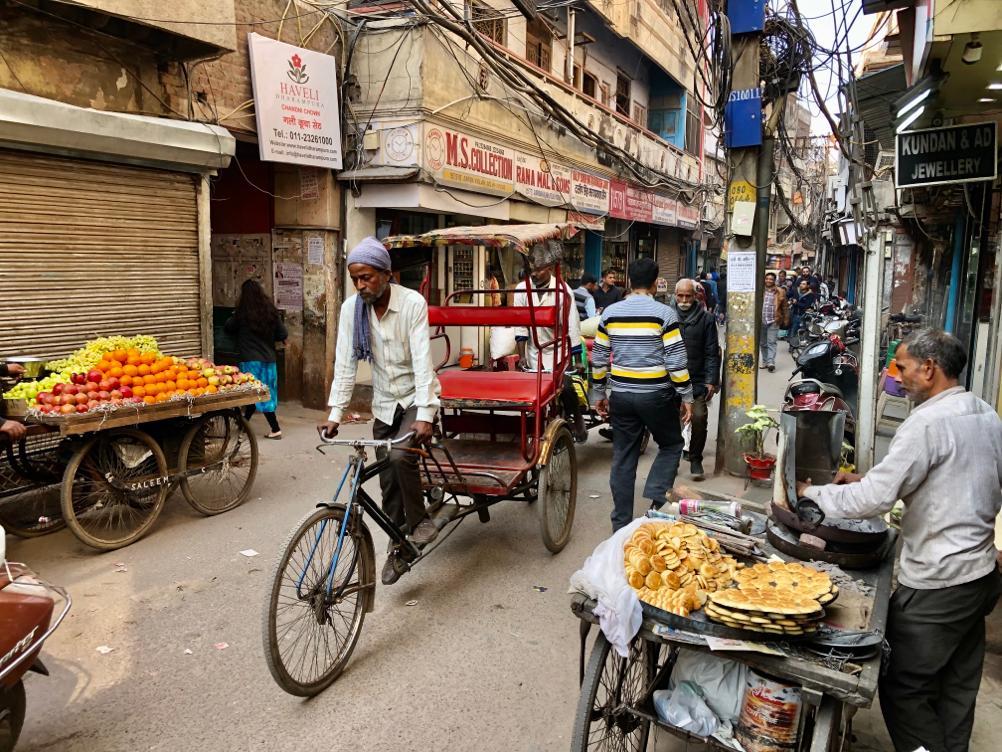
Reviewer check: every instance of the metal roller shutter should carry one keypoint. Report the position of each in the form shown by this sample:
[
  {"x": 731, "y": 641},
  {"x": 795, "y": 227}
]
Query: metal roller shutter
[
  {"x": 91, "y": 249},
  {"x": 671, "y": 265}
]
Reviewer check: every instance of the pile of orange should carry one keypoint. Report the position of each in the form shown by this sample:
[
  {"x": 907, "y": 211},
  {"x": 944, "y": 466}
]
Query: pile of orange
[{"x": 154, "y": 377}]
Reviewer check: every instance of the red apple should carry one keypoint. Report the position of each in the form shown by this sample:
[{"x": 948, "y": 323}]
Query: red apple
[
  {"x": 103, "y": 395},
  {"x": 92, "y": 394},
  {"x": 58, "y": 388},
  {"x": 116, "y": 401},
  {"x": 45, "y": 409},
  {"x": 126, "y": 392},
  {"x": 40, "y": 397},
  {"x": 91, "y": 404},
  {"x": 94, "y": 375},
  {"x": 81, "y": 399},
  {"x": 82, "y": 408},
  {"x": 67, "y": 409},
  {"x": 70, "y": 389},
  {"x": 116, "y": 395},
  {"x": 115, "y": 383},
  {"x": 91, "y": 386},
  {"x": 104, "y": 385}
]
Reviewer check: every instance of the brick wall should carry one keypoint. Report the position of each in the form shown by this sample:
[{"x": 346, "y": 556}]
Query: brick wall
[{"x": 219, "y": 87}]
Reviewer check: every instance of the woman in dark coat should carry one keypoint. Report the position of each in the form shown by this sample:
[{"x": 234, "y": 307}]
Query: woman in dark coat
[{"x": 257, "y": 326}]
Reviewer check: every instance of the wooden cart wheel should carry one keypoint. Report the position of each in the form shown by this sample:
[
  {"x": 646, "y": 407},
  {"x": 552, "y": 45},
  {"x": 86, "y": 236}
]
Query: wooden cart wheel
[
  {"x": 218, "y": 461},
  {"x": 114, "y": 488},
  {"x": 557, "y": 492},
  {"x": 611, "y": 685},
  {"x": 37, "y": 511}
]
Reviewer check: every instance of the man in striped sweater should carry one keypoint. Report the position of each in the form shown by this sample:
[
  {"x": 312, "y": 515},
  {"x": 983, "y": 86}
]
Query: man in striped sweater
[{"x": 639, "y": 356}]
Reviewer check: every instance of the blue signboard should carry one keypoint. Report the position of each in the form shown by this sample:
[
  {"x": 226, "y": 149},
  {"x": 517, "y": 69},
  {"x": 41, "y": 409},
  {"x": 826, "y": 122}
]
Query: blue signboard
[
  {"x": 746, "y": 15},
  {"x": 743, "y": 119}
]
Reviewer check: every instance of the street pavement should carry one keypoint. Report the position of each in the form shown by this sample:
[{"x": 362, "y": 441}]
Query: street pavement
[{"x": 485, "y": 658}]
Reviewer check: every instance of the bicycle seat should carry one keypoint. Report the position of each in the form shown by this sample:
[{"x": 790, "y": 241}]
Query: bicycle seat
[{"x": 494, "y": 389}]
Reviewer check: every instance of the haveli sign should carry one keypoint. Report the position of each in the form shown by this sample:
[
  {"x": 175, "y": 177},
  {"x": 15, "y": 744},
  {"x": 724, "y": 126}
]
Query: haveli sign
[
  {"x": 295, "y": 103},
  {"x": 939, "y": 156}
]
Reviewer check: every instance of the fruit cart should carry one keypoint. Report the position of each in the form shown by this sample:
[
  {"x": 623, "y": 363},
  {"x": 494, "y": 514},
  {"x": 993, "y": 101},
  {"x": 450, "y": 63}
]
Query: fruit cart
[
  {"x": 834, "y": 671},
  {"x": 105, "y": 466}
]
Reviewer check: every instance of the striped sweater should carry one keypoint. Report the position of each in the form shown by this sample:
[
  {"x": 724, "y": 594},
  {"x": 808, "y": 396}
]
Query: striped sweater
[{"x": 639, "y": 348}]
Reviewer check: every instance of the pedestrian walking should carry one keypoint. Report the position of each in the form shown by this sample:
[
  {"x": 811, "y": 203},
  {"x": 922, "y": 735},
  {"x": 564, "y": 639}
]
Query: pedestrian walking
[
  {"x": 387, "y": 325},
  {"x": 608, "y": 292},
  {"x": 773, "y": 304},
  {"x": 945, "y": 464},
  {"x": 709, "y": 291},
  {"x": 804, "y": 302},
  {"x": 584, "y": 300},
  {"x": 699, "y": 332},
  {"x": 641, "y": 381},
  {"x": 257, "y": 326}
]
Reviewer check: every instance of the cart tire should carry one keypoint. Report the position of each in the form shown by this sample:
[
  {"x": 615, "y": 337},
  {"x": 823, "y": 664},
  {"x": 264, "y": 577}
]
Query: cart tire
[
  {"x": 36, "y": 512},
  {"x": 223, "y": 444},
  {"x": 645, "y": 440},
  {"x": 610, "y": 683},
  {"x": 99, "y": 511},
  {"x": 557, "y": 491},
  {"x": 12, "y": 707},
  {"x": 299, "y": 629}
]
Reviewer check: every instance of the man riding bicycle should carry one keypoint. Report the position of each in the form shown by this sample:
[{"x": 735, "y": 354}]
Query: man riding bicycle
[{"x": 387, "y": 325}]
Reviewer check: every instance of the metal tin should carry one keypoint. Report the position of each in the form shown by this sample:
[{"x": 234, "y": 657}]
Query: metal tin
[{"x": 770, "y": 715}]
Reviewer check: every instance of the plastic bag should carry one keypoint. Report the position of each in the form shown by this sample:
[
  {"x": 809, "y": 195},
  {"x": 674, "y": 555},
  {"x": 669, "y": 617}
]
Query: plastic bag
[
  {"x": 685, "y": 708},
  {"x": 686, "y": 436},
  {"x": 603, "y": 579},
  {"x": 502, "y": 342},
  {"x": 722, "y": 681}
]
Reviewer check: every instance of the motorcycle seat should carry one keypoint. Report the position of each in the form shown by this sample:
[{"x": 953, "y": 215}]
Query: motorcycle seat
[{"x": 807, "y": 387}]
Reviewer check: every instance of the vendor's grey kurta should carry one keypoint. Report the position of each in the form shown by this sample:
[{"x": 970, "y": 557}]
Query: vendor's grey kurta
[{"x": 945, "y": 463}]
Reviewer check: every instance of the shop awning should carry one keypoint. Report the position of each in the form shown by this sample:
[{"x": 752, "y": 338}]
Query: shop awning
[
  {"x": 379, "y": 174},
  {"x": 518, "y": 237}
]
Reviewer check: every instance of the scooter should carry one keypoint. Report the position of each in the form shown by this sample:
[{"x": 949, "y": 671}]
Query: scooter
[
  {"x": 26, "y": 608},
  {"x": 829, "y": 371}
]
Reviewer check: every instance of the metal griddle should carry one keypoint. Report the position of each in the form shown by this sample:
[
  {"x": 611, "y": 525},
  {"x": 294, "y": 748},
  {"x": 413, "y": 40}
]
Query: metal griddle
[{"x": 787, "y": 541}]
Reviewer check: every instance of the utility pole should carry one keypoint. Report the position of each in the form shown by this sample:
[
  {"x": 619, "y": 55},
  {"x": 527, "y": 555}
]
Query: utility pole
[{"x": 743, "y": 139}]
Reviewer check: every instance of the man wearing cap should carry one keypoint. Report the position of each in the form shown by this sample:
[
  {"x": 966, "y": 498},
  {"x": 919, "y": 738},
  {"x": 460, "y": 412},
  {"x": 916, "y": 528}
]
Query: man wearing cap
[{"x": 387, "y": 325}]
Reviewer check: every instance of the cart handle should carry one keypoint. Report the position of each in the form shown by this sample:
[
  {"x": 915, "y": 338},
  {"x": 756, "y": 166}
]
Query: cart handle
[{"x": 386, "y": 444}]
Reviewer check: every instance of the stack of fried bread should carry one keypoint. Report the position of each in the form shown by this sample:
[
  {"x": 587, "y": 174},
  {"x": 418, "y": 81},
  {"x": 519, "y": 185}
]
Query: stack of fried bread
[
  {"x": 781, "y": 598},
  {"x": 673, "y": 566}
]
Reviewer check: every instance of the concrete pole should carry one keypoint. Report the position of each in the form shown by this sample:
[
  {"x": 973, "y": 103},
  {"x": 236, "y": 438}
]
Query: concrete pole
[
  {"x": 870, "y": 360},
  {"x": 739, "y": 359}
]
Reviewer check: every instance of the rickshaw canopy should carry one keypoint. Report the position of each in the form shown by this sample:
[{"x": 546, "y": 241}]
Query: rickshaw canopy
[{"x": 519, "y": 237}]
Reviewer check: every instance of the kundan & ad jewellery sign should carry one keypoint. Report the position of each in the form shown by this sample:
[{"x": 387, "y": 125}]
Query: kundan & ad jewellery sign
[
  {"x": 295, "y": 103},
  {"x": 954, "y": 154}
]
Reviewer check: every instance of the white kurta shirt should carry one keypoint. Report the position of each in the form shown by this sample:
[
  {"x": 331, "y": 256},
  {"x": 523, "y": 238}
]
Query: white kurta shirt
[
  {"x": 546, "y": 297},
  {"x": 402, "y": 369}
]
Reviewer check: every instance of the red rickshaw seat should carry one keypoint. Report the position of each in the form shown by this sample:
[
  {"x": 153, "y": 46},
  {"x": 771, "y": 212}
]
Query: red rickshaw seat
[{"x": 493, "y": 388}]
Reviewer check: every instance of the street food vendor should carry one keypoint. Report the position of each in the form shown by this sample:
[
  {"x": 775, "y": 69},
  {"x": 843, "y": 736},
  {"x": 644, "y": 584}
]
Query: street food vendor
[
  {"x": 945, "y": 464},
  {"x": 12, "y": 429}
]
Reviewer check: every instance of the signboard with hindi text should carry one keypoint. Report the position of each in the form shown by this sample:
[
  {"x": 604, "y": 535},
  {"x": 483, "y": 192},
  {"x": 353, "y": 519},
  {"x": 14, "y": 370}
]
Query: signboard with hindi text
[
  {"x": 939, "y": 156},
  {"x": 295, "y": 103}
]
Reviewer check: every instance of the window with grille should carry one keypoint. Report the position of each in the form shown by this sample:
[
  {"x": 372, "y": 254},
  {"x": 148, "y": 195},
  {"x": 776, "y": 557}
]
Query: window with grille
[
  {"x": 640, "y": 115},
  {"x": 538, "y": 44},
  {"x": 488, "y": 21},
  {"x": 622, "y": 95}
]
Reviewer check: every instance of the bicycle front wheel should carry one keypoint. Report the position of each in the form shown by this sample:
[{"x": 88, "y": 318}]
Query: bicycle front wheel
[{"x": 316, "y": 605}]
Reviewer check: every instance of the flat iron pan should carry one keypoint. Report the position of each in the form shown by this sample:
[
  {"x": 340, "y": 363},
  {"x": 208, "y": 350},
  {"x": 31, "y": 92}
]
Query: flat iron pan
[{"x": 835, "y": 530}]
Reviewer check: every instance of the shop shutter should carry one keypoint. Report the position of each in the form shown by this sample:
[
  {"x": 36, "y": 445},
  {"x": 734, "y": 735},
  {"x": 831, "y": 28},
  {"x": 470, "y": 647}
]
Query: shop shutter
[
  {"x": 671, "y": 265},
  {"x": 92, "y": 249}
]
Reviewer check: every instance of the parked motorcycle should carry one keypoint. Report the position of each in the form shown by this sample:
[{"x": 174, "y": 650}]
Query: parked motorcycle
[
  {"x": 829, "y": 379},
  {"x": 26, "y": 608}
]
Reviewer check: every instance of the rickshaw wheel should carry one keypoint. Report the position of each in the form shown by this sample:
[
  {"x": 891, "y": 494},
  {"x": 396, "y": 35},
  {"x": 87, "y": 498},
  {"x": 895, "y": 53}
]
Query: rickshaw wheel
[
  {"x": 34, "y": 513},
  {"x": 557, "y": 491},
  {"x": 611, "y": 685},
  {"x": 312, "y": 621},
  {"x": 12, "y": 707},
  {"x": 223, "y": 452},
  {"x": 114, "y": 488}
]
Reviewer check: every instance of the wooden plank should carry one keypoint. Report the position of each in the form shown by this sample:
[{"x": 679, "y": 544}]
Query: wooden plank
[{"x": 124, "y": 417}]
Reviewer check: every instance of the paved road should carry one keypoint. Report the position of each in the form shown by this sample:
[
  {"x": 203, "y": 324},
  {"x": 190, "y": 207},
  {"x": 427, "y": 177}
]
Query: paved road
[{"x": 484, "y": 660}]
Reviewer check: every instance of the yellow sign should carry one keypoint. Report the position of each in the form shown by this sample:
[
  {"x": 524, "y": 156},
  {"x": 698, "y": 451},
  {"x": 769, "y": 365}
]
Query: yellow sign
[{"x": 740, "y": 190}]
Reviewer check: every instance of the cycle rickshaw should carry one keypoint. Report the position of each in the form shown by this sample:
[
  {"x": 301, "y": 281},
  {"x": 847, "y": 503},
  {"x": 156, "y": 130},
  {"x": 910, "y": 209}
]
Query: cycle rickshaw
[{"x": 500, "y": 436}]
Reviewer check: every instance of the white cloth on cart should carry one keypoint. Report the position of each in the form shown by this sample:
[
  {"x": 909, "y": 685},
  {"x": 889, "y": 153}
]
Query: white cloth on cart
[{"x": 602, "y": 578}]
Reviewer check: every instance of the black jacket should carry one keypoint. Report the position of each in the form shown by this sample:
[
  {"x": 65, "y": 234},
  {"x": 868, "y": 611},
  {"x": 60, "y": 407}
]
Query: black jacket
[
  {"x": 703, "y": 349},
  {"x": 251, "y": 345}
]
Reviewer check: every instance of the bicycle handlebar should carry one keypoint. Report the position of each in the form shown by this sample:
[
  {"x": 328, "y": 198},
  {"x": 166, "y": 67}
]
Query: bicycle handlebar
[{"x": 360, "y": 443}]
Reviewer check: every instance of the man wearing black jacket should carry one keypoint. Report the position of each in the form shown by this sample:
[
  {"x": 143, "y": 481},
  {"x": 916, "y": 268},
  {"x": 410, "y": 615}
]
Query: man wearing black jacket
[{"x": 699, "y": 332}]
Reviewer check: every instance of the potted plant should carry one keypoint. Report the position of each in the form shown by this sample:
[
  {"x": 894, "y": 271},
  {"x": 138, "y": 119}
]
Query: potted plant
[{"x": 760, "y": 464}]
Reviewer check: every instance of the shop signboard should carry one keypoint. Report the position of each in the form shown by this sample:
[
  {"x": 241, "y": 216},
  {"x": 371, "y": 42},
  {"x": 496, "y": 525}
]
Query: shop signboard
[
  {"x": 542, "y": 181},
  {"x": 586, "y": 221},
  {"x": 590, "y": 192},
  {"x": 295, "y": 103},
  {"x": 457, "y": 159},
  {"x": 664, "y": 211},
  {"x": 630, "y": 202},
  {"x": 938, "y": 156},
  {"x": 688, "y": 215}
]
